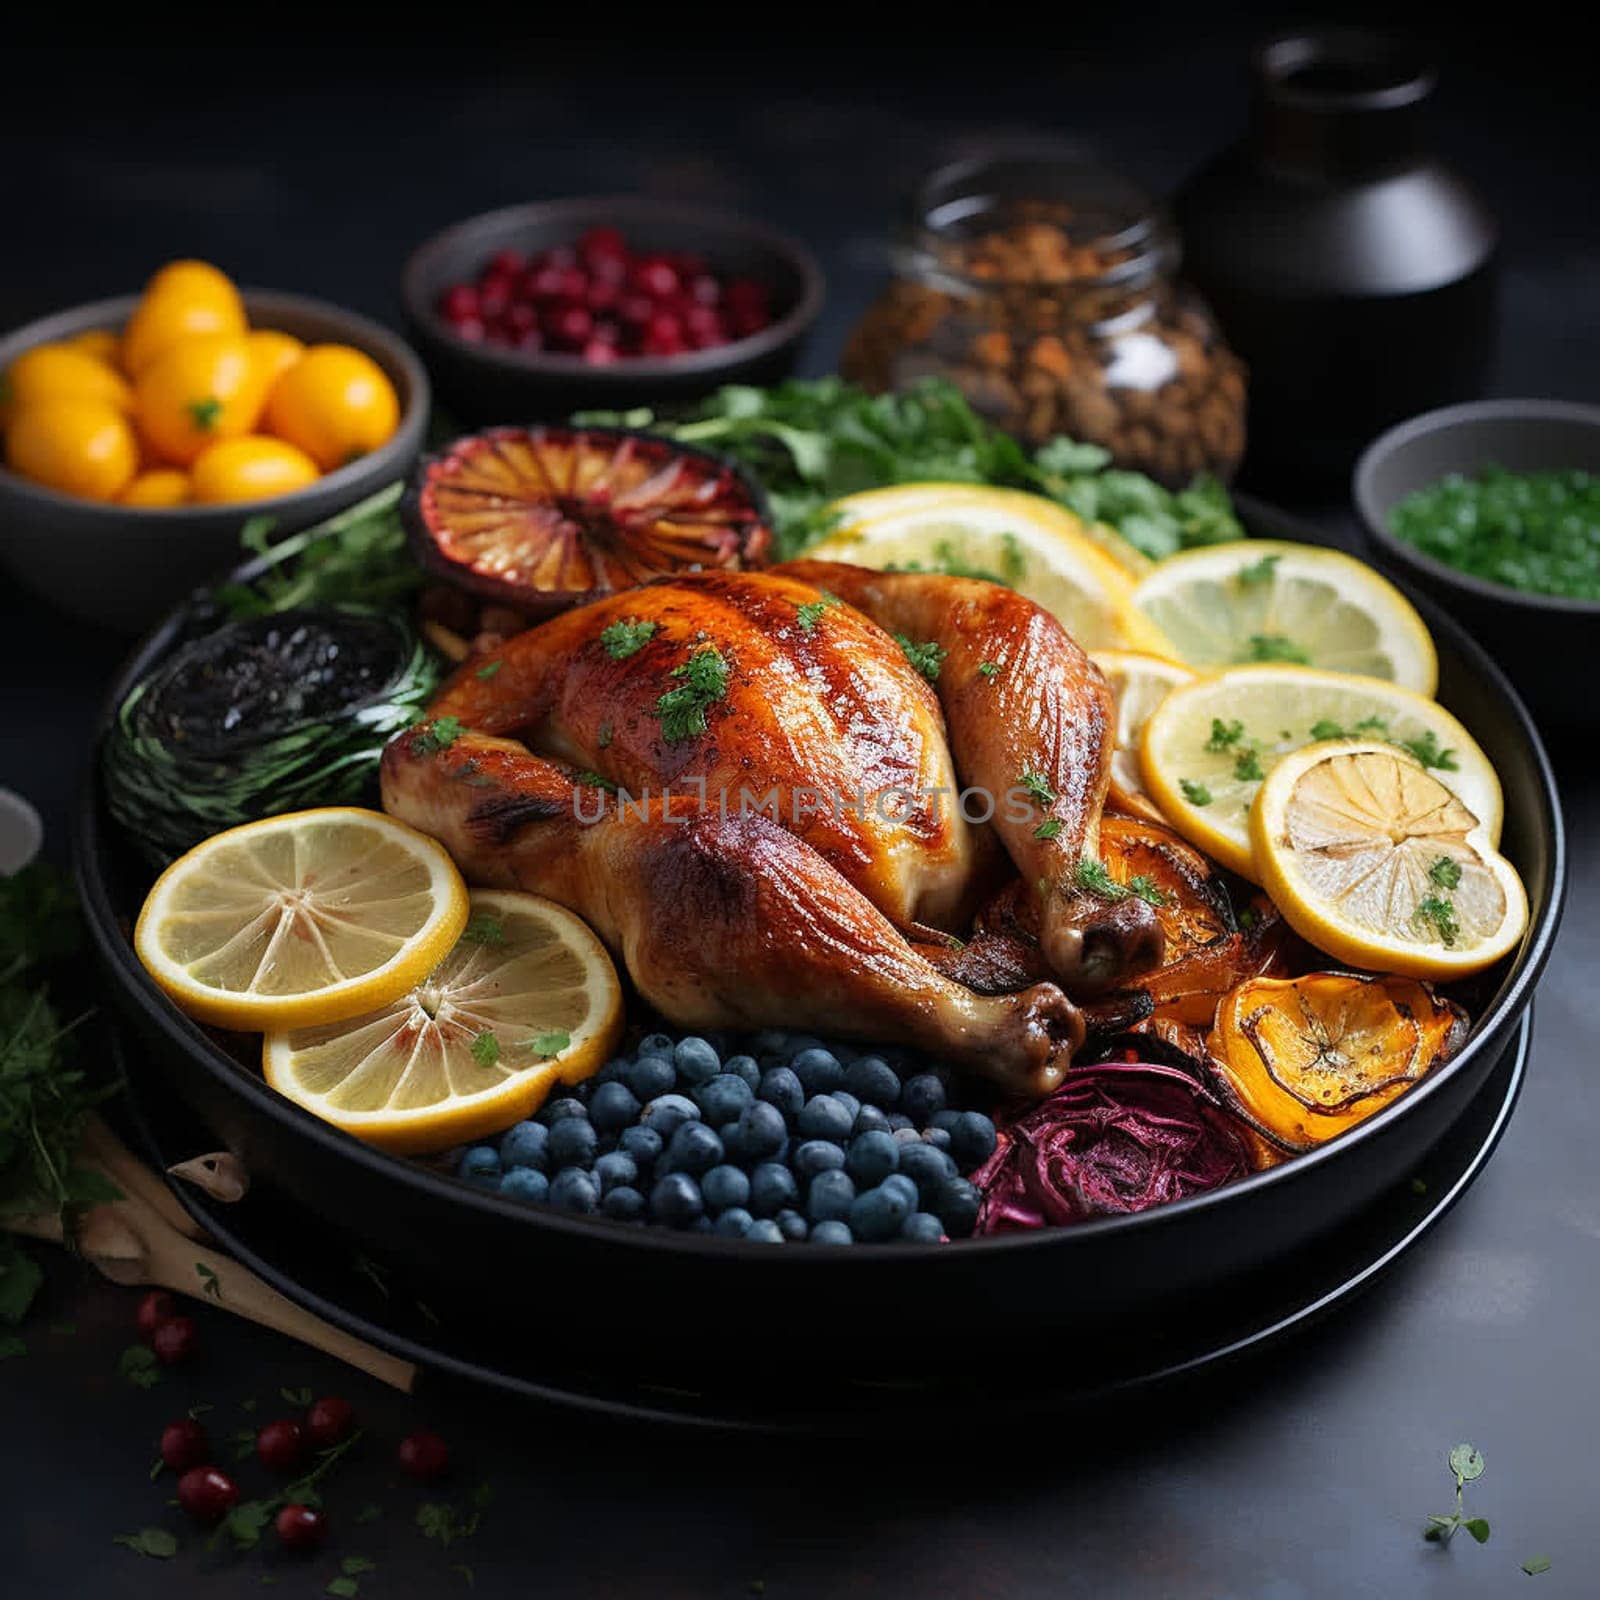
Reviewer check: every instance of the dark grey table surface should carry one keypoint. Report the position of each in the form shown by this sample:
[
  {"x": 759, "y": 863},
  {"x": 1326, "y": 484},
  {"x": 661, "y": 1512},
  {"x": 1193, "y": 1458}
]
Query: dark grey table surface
[{"x": 1305, "y": 1474}]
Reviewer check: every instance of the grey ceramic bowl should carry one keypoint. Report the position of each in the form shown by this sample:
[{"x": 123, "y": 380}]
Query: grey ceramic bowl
[
  {"x": 481, "y": 383},
  {"x": 1538, "y": 639},
  {"x": 122, "y": 566}
]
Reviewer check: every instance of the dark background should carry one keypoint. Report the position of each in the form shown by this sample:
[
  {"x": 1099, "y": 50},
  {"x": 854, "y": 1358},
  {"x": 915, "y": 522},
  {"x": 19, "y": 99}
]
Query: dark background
[{"x": 300, "y": 159}]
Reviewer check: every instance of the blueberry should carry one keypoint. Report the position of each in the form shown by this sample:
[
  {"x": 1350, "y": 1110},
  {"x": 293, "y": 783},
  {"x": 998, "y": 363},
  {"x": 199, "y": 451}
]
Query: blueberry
[
  {"x": 725, "y": 1188},
  {"x": 574, "y": 1190},
  {"x": 723, "y": 1097},
  {"x": 922, "y": 1097},
  {"x": 817, "y": 1155},
  {"x": 779, "y": 1087},
  {"x": 766, "y": 1231},
  {"x": 734, "y": 1223},
  {"x": 624, "y": 1204},
  {"x": 525, "y": 1145},
  {"x": 770, "y": 1042},
  {"x": 650, "y": 1076},
  {"x": 944, "y": 1119},
  {"x": 848, "y": 1101},
  {"x": 824, "y": 1118},
  {"x": 972, "y": 1140},
  {"x": 657, "y": 1044},
  {"x": 480, "y": 1164},
  {"x": 939, "y": 1138},
  {"x": 904, "y": 1186},
  {"x": 880, "y": 1213},
  {"x": 922, "y": 1227},
  {"x": 872, "y": 1157},
  {"x": 873, "y": 1081},
  {"x": 927, "y": 1167},
  {"x": 829, "y": 1197},
  {"x": 956, "y": 1206},
  {"x": 523, "y": 1183},
  {"x": 618, "y": 1170},
  {"x": 676, "y": 1200},
  {"x": 772, "y": 1189},
  {"x": 745, "y": 1067},
  {"x": 869, "y": 1119},
  {"x": 761, "y": 1131},
  {"x": 614, "y": 1069},
  {"x": 899, "y": 1120},
  {"x": 818, "y": 1070},
  {"x": 643, "y": 1144},
  {"x": 693, "y": 1148},
  {"x": 572, "y": 1143},
  {"x": 668, "y": 1112},
  {"x": 612, "y": 1107},
  {"x": 792, "y": 1226},
  {"x": 696, "y": 1060},
  {"x": 905, "y": 1136},
  {"x": 832, "y": 1232},
  {"x": 561, "y": 1110}
]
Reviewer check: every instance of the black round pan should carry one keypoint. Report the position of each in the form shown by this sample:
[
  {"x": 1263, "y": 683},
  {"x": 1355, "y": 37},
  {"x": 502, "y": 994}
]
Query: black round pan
[{"x": 666, "y": 1303}]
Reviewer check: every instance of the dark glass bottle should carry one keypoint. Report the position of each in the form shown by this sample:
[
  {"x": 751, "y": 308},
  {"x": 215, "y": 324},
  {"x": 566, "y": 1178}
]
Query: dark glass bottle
[{"x": 1352, "y": 271}]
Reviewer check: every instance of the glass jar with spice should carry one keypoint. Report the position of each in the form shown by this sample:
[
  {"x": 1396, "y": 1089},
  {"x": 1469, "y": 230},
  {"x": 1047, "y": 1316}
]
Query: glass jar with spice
[{"x": 1047, "y": 291}]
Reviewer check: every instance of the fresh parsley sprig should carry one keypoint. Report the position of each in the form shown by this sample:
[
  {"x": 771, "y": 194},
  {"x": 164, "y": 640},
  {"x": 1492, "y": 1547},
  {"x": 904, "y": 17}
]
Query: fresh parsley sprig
[{"x": 1466, "y": 1466}]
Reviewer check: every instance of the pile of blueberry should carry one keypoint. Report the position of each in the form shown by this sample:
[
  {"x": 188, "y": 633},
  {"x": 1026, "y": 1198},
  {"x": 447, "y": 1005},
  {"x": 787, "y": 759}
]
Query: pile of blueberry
[{"x": 784, "y": 1139}]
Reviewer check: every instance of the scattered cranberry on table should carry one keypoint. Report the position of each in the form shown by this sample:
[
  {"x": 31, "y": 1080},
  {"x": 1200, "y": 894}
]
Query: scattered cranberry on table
[
  {"x": 301, "y": 1527},
  {"x": 207, "y": 1493},
  {"x": 281, "y": 1445},
  {"x": 183, "y": 1445},
  {"x": 604, "y": 302},
  {"x": 155, "y": 1308},
  {"x": 174, "y": 1341},
  {"x": 329, "y": 1421},
  {"x": 424, "y": 1456}
]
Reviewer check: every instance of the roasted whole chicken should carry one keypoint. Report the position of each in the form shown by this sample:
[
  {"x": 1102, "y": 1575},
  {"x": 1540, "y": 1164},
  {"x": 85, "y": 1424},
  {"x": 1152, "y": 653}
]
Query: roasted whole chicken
[{"x": 782, "y": 798}]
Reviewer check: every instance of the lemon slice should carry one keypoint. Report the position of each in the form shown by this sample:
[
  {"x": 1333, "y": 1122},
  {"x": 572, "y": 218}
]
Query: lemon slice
[
  {"x": 1263, "y": 600},
  {"x": 1139, "y": 683},
  {"x": 1208, "y": 745},
  {"x": 526, "y": 999},
  {"x": 1372, "y": 859},
  {"x": 301, "y": 918},
  {"x": 1030, "y": 544}
]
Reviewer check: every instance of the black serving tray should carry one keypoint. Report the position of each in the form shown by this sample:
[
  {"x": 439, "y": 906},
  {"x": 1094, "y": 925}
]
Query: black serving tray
[{"x": 585, "y": 1295}]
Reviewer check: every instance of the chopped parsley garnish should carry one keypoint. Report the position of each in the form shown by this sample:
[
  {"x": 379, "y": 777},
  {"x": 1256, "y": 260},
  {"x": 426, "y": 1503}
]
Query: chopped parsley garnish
[
  {"x": 626, "y": 638},
  {"x": 1257, "y": 573},
  {"x": 205, "y": 413},
  {"x": 548, "y": 1044},
  {"x": 1247, "y": 766},
  {"x": 810, "y": 614},
  {"x": 1037, "y": 787},
  {"x": 1048, "y": 829},
  {"x": 1195, "y": 793},
  {"x": 1327, "y": 728},
  {"x": 437, "y": 736},
  {"x": 926, "y": 657},
  {"x": 481, "y": 928},
  {"x": 156, "y": 1543},
  {"x": 1440, "y": 915},
  {"x": 1375, "y": 725},
  {"x": 485, "y": 1049},
  {"x": 1445, "y": 873},
  {"x": 988, "y": 669},
  {"x": 949, "y": 562},
  {"x": 1426, "y": 749},
  {"x": 683, "y": 710},
  {"x": 1145, "y": 887},
  {"x": 1224, "y": 735},
  {"x": 1276, "y": 647},
  {"x": 488, "y": 670},
  {"x": 596, "y": 780},
  {"x": 1092, "y": 877}
]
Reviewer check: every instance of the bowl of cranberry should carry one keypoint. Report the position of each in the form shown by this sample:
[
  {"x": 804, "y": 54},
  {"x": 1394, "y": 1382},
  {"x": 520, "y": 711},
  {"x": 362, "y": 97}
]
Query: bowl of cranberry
[{"x": 536, "y": 311}]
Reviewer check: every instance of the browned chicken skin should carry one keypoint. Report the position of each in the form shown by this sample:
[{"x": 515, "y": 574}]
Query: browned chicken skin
[{"x": 778, "y": 866}]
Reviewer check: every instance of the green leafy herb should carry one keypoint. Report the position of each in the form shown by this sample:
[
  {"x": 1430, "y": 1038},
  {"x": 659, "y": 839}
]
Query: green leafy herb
[
  {"x": 1466, "y": 1465},
  {"x": 437, "y": 735},
  {"x": 810, "y": 442},
  {"x": 1275, "y": 647},
  {"x": 1439, "y": 914},
  {"x": 1535, "y": 1565},
  {"x": 683, "y": 710},
  {"x": 482, "y": 928},
  {"x": 445, "y": 1523},
  {"x": 1195, "y": 793},
  {"x": 1258, "y": 574},
  {"x": 1048, "y": 829},
  {"x": 810, "y": 614},
  {"x": 296, "y": 1397},
  {"x": 208, "y": 1277},
  {"x": 548, "y": 1044},
  {"x": 927, "y": 657},
  {"x": 467, "y": 1575},
  {"x": 205, "y": 413},
  {"x": 354, "y": 1566},
  {"x": 1092, "y": 877},
  {"x": 485, "y": 1048},
  {"x": 11, "y": 1346},
  {"x": 156, "y": 1543},
  {"x": 1327, "y": 728},
  {"x": 626, "y": 638},
  {"x": 1248, "y": 918},
  {"x": 138, "y": 1365},
  {"x": 1224, "y": 735},
  {"x": 1146, "y": 888},
  {"x": 1425, "y": 747},
  {"x": 591, "y": 779},
  {"x": 368, "y": 1513},
  {"x": 988, "y": 669},
  {"x": 343, "y": 1588},
  {"x": 1247, "y": 767},
  {"x": 1445, "y": 873},
  {"x": 488, "y": 670},
  {"x": 1037, "y": 787}
]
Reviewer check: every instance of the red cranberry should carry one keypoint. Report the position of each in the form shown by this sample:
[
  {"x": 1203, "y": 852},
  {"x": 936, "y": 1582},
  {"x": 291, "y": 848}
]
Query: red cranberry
[
  {"x": 493, "y": 298},
  {"x": 424, "y": 1456},
  {"x": 459, "y": 302},
  {"x": 705, "y": 327},
  {"x": 155, "y": 1308},
  {"x": 656, "y": 277},
  {"x": 601, "y": 352},
  {"x": 281, "y": 1445},
  {"x": 174, "y": 1341},
  {"x": 520, "y": 317},
  {"x": 301, "y": 1527},
  {"x": 604, "y": 294},
  {"x": 507, "y": 263},
  {"x": 663, "y": 336},
  {"x": 531, "y": 340},
  {"x": 471, "y": 329},
  {"x": 329, "y": 1420},
  {"x": 570, "y": 326},
  {"x": 636, "y": 310},
  {"x": 543, "y": 282},
  {"x": 207, "y": 1493},
  {"x": 602, "y": 246},
  {"x": 705, "y": 290},
  {"x": 183, "y": 1444}
]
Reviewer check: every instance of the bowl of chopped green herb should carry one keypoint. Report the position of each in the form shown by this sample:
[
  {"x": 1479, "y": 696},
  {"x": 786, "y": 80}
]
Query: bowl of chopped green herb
[{"x": 1493, "y": 509}]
